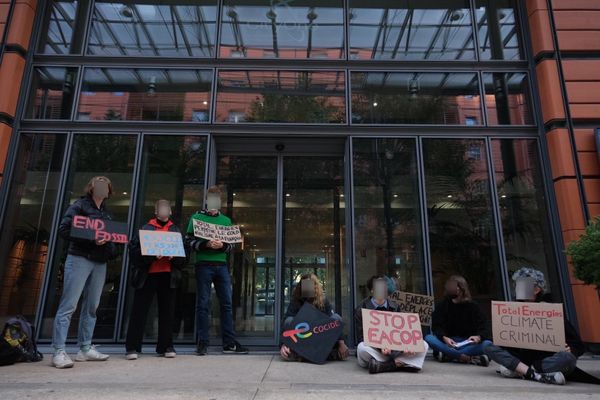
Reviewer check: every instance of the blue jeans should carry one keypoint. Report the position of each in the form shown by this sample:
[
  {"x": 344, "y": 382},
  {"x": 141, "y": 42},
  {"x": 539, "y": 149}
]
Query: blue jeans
[
  {"x": 470, "y": 350},
  {"x": 82, "y": 276},
  {"x": 219, "y": 276}
]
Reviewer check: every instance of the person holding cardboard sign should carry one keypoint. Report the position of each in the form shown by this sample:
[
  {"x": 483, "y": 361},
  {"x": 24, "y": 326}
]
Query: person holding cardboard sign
[
  {"x": 310, "y": 290},
  {"x": 459, "y": 327},
  {"x": 536, "y": 365},
  {"x": 84, "y": 274},
  {"x": 378, "y": 360},
  {"x": 150, "y": 276},
  {"x": 211, "y": 268}
]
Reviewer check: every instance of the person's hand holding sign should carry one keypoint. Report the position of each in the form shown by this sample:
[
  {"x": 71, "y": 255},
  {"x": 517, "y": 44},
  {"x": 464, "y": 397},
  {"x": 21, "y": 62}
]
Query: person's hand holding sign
[
  {"x": 100, "y": 242},
  {"x": 449, "y": 341},
  {"x": 284, "y": 351},
  {"x": 215, "y": 244},
  {"x": 475, "y": 339}
]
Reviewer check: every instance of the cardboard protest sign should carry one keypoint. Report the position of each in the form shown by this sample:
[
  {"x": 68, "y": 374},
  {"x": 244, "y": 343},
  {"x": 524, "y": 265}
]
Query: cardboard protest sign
[
  {"x": 313, "y": 334},
  {"x": 226, "y": 234},
  {"x": 537, "y": 326},
  {"x": 98, "y": 229},
  {"x": 415, "y": 303},
  {"x": 161, "y": 243},
  {"x": 392, "y": 330}
]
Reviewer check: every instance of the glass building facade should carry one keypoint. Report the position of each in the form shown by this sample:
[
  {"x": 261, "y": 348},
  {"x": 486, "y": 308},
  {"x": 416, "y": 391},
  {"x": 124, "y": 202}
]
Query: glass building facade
[{"x": 349, "y": 138}]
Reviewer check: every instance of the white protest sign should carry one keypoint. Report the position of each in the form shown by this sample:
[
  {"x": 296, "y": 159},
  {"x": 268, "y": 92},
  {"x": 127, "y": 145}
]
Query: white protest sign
[
  {"x": 536, "y": 326},
  {"x": 226, "y": 234},
  {"x": 161, "y": 243},
  {"x": 392, "y": 330}
]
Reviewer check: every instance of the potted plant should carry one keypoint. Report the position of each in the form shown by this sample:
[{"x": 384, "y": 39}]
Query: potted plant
[{"x": 585, "y": 253}]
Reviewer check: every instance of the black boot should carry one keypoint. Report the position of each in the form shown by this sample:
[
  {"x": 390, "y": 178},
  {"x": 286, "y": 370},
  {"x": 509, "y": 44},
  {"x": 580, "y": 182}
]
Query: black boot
[{"x": 376, "y": 367}]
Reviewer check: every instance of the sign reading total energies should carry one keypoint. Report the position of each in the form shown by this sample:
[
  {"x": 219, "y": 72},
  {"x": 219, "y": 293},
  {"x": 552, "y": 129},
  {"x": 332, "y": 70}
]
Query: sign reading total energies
[
  {"x": 392, "y": 330},
  {"x": 313, "y": 334},
  {"x": 537, "y": 326},
  {"x": 161, "y": 243},
  {"x": 415, "y": 303},
  {"x": 226, "y": 234},
  {"x": 98, "y": 229}
]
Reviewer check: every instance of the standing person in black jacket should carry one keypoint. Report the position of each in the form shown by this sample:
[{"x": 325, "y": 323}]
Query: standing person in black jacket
[
  {"x": 315, "y": 296},
  {"x": 536, "y": 365},
  {"x": 456, "y": 319},
  {"x": 85, "y": 273},
  {"x": 153, "y": 275}
]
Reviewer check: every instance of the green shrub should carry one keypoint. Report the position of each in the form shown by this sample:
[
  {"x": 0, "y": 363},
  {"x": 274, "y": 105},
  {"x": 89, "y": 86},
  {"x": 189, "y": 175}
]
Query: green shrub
[{"x": 585, "y": 253}]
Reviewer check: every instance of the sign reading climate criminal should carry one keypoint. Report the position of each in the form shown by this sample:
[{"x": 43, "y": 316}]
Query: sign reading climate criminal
[{"x": 537, "y": 326}]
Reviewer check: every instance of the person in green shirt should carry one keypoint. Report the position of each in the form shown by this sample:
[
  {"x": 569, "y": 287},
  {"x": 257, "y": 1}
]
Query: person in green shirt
[{"x": 210, "y": 259}]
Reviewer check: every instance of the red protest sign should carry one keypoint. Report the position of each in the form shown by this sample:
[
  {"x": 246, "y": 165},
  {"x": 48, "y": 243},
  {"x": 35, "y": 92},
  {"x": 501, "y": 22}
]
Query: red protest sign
[
  {"x": 392, "y": 330},
  {"x": 98, "y": 229}
]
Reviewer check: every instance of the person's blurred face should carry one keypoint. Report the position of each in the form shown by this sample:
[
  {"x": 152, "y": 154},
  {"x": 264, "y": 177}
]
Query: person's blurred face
[
  {"x": 163, "y": 211},
  {"x": 452, "y": 289},
  {"x": 380, "y": 291},
  {"x": 213, "y": 201},
  {"x": 308, "y": 289},
  {"x": 100, "y": 189},
  {"x": 525, "y": 289}
]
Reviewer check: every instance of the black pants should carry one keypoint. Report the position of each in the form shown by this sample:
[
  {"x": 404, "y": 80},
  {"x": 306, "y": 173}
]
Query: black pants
[
  {"x": 159, "y": 284},
  {"x": 558, "y": 362}
]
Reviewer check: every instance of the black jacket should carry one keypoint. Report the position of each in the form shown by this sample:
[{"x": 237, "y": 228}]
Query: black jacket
[
  {"x": 368, "y": 304},
  {"x": 86, "y": 206},
  {"x": 461, "y": 319},
  {"x": 141, "y": 264}
]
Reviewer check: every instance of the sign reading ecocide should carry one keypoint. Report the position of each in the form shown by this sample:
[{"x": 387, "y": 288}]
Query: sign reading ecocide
[
  {"x": 536, "y": 326},
  {"x": 392, "y": 330},
  {"x": 226, "y": 234}
]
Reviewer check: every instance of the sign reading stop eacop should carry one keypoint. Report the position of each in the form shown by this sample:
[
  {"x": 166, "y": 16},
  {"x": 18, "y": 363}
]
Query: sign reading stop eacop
[{"x": 391, "y": 330}]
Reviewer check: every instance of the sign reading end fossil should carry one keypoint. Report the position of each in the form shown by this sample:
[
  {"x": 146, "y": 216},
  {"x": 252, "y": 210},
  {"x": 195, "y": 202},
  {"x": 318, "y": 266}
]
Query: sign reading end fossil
[{"x": 226, "y": 234}]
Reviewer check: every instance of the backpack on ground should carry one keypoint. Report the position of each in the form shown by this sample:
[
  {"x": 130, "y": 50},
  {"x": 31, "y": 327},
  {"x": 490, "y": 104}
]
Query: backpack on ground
[{"x": 19, "y": 334}]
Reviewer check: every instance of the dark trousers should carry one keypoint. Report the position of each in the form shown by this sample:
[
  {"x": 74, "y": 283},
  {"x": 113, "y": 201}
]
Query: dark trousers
[
  {"x": 159, "y": 284},
  {"x": 558, "y": 362},
  {"x": 206, "y": 275}
]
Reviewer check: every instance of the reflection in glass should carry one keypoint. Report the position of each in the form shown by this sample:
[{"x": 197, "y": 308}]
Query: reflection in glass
[
  {"x": 52, "y": 92},
  {"x": 172, "y": 169},
  {"x": 507, "y": 98},
  {"x": 499, "y": 33},
  {"x": 387, "y": 227},
  {"x": 250, "y": 196},
  {"x": 315, "y": 226},
  {"x": 525, "y": 228},
  {"x": 28, "y": 225},
  {"x": 63, "y": 28},
  {"x": 143, "y": 94},
  {"x": 411, "y": 30},
  {"x": 282, "y": 29},
  {"x": 416, "y": 98},
  {"x": 114, "y": 157},
  {"x": 281, "y": 96},
  {"x": 176, "y": 28},
  {"x": 462, "y": 234}
]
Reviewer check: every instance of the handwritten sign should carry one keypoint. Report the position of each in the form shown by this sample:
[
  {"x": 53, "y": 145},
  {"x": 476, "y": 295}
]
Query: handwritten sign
[
  {"x": 415, "y": 303},
  {"x": 98, "y": 229},
  {"x": 312, "y": 334},
  {"x": 226, "y": 234},
  {"x": 161, "y": 243},
  {"x": 537, "y": 326},
  {"x": 392, "y": 330}
]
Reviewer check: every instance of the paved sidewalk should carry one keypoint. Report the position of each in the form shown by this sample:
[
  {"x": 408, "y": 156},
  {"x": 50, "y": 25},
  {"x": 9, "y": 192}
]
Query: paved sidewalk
[{"x": 267, "y": 377}]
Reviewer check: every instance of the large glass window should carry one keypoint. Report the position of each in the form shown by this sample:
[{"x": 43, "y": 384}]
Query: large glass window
[
  {"x": 173, "y": 169},
  {"x": 112, "y": 156},
  {"x": 416, "y": 98},
  {"x": 52, "y": 93},
  {"x": 498, "y": 30},
  {"x": 282, "y": 29},
  {"x": 176, "y": 28},
  {"x": 144, "y": 94},
  {"x": 411, "y": 30},
  {"x": 64, "y": 27},
  {"x": 462, "y": 236},
  {"x": 387, "y": 227},
  {"x": 525, "y": 227},
  {"x": 507, "y": 98},
  {"x": 281, "y": 96},
  {"x": 28, "y": 225}
]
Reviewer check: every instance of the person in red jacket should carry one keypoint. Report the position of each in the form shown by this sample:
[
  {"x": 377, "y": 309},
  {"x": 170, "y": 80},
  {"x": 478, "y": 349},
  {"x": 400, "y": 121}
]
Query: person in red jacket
[{"x": 153, "y": 275}]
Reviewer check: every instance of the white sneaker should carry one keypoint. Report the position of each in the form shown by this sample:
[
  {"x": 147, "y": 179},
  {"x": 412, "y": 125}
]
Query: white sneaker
[
  {"x": 62, "y": 360},
  {"x": 131, "y": 356},
  {"x": 507, "y": 373},
  {"x": 91, "y": 355}
]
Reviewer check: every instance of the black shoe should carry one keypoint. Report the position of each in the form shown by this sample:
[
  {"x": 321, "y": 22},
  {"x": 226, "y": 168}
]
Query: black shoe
[
  {"x": 376, "y": 367},
  {"x": 551, "y": 378},
  {"x": 481, "y": 360},
  {"x": 202, "y": 349},
  {"x": 234, "y": 348}
]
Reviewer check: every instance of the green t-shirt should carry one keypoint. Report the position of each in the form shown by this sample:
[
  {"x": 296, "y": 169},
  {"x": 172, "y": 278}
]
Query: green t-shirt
[{"x": 209, "y": 255}]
